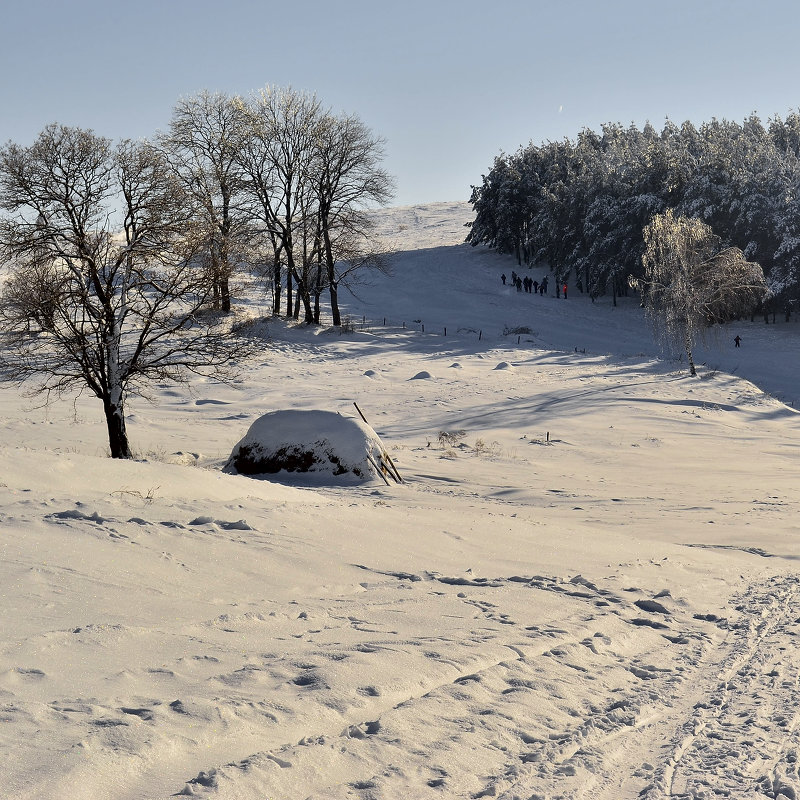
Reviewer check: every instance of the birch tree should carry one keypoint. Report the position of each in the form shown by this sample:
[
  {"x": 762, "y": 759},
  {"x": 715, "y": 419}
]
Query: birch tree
[
  {"x": 101, "y": 293},
  {"x": 691, "y": 281}
]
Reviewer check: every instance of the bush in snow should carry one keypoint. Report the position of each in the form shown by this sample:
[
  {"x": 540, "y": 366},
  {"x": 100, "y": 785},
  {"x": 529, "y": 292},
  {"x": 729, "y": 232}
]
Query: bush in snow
[{"x": 334, "y": 447}]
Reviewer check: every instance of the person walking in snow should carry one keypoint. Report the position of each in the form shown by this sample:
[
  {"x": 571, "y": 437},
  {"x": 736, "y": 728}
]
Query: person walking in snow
[
  {"x": 565, "y": 291},
  {"x": 503, "y": 278},
  {"x": 737, "y": 339},
  {"x": 536, "y": 287}
]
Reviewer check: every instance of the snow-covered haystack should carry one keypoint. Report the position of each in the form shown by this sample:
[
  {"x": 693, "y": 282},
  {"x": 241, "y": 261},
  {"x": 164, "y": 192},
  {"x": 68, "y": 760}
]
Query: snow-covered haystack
[{"x": 335, "y": 448}]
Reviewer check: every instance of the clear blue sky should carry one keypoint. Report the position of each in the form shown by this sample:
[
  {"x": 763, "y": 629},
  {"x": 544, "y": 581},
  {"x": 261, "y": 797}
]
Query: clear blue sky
[{"x": 448, "y": 83}]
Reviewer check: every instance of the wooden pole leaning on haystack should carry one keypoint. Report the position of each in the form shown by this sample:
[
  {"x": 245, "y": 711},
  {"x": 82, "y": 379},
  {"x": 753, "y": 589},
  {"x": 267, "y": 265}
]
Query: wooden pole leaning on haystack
[
  {"x": 381, "y": 470},
  {"x": 391, "y": 468}
]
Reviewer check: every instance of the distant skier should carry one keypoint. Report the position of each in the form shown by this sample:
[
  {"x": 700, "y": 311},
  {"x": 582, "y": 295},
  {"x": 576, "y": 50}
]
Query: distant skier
[{"x": 737, "y": 339}]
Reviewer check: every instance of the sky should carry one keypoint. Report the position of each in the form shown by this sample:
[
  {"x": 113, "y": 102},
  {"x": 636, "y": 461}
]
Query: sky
[{"x": 449, "y": 84}]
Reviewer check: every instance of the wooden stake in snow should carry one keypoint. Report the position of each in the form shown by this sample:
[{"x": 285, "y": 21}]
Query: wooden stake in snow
[{"x": 391, "y": 468}]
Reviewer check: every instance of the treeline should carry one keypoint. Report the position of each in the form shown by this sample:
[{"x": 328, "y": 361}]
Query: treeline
[{"x": 581, "y": 206}]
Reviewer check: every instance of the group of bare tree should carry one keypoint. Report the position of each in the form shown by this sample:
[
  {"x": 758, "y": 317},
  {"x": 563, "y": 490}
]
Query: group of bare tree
[
  {"x": 279, "y": 180},
  {"x": 112, "y": 255}
]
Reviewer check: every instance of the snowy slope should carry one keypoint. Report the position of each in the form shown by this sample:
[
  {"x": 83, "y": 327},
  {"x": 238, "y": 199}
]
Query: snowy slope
[{"x": 584, "y": 587}]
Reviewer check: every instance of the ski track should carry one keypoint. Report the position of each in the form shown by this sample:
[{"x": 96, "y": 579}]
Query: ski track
[{"x": 546, "y": 706}]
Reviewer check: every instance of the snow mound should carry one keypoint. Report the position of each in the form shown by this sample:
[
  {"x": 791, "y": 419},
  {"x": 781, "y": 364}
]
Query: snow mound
[
  {"x": 422, "y": 376},
  {"x": 504, "y": 365},
  {"x": 336, "y": 449}
]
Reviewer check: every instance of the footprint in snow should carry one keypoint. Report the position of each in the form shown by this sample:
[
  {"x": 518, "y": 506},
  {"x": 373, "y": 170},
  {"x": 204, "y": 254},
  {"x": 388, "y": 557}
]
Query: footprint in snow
[
  {"x": 235, "y": 525},
  {"x": 27, "y": 673},
  {"x": 76, "y": 515}
]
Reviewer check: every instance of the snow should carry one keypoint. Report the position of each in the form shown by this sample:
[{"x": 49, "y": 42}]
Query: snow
[{"x": 584, "y": 587}]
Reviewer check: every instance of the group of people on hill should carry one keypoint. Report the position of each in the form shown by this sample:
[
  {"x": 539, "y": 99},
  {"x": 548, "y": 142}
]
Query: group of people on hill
[{"x": 529, "y": 285}]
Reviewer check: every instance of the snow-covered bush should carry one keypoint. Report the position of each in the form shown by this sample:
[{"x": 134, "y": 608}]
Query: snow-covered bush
[{"x": 334, "y": 447}]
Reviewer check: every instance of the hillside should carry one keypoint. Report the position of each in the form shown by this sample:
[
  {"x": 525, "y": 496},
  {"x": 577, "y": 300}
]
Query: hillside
[{"x": 584, "y": 586}]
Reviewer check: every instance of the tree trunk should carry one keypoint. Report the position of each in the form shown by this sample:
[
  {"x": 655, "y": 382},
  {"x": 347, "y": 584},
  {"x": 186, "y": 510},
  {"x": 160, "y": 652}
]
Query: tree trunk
[
  {"x": 289, "y": 298},
  {"x": 318, "y": 282},
  {"x": 225, "y": 294},
  {"x": 307, "y": 307},
  {"x": 334, "y": 292},
  {"x": 303, "y": 296},
  {"x": 687, "y": 343},
  {"x": 276, "y": 287},
  {"x": 331, "y": 267},
  {"x": 117, "y": 434}
]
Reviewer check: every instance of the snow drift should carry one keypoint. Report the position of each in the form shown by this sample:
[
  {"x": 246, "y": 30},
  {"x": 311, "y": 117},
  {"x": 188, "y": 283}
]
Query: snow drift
[{"x": 334, "y": 447}]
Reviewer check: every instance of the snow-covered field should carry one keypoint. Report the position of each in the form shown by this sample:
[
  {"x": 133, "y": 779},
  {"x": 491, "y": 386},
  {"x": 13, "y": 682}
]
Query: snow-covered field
[{"x": 585, "y": 587}]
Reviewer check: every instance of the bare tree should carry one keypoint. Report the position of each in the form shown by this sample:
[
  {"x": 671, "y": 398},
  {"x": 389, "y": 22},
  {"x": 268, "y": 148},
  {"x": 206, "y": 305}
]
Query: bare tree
[
  {"x": 276, "y": 156},
  {"x": 312, "y": 175},
  {"x": 348, "y": 179},
  {"x": 102, "y": 292},
  {"x": 692, "y": 281},
  {"x": 203, "y": 142}
]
